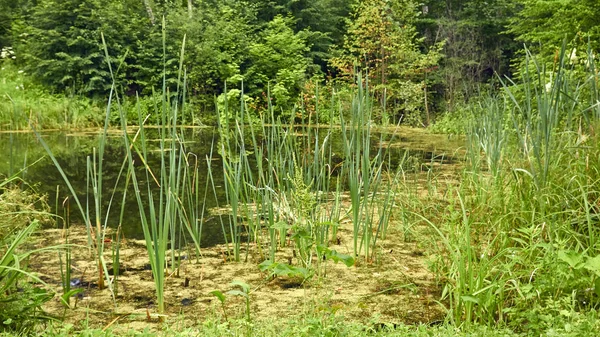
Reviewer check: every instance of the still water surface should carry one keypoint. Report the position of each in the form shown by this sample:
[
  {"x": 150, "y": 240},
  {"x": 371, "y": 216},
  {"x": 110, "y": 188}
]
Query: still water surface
[{"x": 18, "y": 150}]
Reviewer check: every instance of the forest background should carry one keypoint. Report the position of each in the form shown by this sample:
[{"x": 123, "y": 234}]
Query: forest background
[{"x": 426, "y": 61}]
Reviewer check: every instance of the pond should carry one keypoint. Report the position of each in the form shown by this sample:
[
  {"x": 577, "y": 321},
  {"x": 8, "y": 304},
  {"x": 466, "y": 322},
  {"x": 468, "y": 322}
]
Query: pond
[{"x": 71, "y": 149}]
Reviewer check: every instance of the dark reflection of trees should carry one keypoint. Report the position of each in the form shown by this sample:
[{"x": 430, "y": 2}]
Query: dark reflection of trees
[{"x": 72, "y": 151}]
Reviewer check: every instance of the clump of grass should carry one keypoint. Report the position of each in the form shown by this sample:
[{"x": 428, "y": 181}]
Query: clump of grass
[
  {"x": 519, "y": 236},
  {"x": 19, "y": 206},
  {"x": 21, "y": 302},
  {"x": 164, "y": 219},
  {"x": 96, "y": 229},
  {"x": 293, "y": 190},
  {"x": 372, "y": 197}
]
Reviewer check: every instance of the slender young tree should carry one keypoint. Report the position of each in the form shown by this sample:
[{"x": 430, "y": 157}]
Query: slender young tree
[{"x": 382, "y": 40}]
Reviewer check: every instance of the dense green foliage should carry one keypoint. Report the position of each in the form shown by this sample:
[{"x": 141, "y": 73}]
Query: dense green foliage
[
  {"x": 423, "y": 59},
  {"x": 25, "y": 101},
  {"x": 269, "y": 46},
  {"x": 477, "y": 46},
  {"x": 514, "y": 239},
  {"x": 545, "y": 24},
  {"x": 522, "y": 231},
  {"x": 383, "y": 39}
]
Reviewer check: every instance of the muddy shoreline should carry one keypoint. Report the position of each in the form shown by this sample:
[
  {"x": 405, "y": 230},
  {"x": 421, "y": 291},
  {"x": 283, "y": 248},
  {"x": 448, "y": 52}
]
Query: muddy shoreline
[{"x": 394, "y": 288}]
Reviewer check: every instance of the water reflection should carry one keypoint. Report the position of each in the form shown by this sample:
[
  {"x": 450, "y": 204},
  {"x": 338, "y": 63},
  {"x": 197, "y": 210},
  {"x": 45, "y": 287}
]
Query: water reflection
[{"x": 73, "y": 149}]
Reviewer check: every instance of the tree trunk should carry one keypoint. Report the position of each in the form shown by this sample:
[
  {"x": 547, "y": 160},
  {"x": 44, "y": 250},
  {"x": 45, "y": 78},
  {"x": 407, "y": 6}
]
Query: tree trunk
[
  {"x": 190, "y": 8},
  {"x": 426, "y": 101}
]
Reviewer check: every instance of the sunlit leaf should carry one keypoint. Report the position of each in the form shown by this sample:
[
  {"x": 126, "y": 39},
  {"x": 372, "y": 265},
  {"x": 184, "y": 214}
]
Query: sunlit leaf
[{"x": 218, "y": 295}]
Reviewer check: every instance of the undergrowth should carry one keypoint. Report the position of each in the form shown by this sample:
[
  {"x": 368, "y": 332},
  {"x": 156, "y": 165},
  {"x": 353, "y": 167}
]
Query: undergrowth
[
  {"x": 21, "y": 296},
  {"x": 518, "y": 240}
]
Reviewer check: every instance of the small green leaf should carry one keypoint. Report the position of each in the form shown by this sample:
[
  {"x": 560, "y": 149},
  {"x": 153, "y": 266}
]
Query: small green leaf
[
  {"x": 245, "y": 286},
  {"x": 282, "y": 269},
  {"x": 236, "y": 292},
  {"x": 65, "y": 297},
  {"x": 337, "y": 257},
  {"x": 301, "y": 234},
  {"x": 302, "y": 272},
  {"x": 265, "y": 265},
  {"x": 281, "y": 225},
  {"x": 574, "y": 259},
  {"x": 219, "y": 295},
  {"x": 593, "y": 265},
  {"x": 471, "y": 299}
]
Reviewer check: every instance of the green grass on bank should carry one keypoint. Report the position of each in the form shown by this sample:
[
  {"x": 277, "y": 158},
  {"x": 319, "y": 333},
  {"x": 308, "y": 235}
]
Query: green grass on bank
[
  {"x": 309, "y": 326},
  {"x": 22, "y": 100}
]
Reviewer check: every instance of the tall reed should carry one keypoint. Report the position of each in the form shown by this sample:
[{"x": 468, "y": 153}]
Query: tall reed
[
  {"x": 365, "y": 172},
  {"x": 96, "y": 227},
  {"x": 170, "y": 212},
  {"x": 515, "y": 238},
  {"x": 278, "y": 181}
]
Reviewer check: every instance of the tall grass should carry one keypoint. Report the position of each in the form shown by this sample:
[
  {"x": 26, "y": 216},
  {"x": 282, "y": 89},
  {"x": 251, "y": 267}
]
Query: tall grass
[
  {"x": 281, "y": 180},
  {"x": 489, "y": 133},
  {"x": 284, "y": 184},
  {"x": 164, "y": 219},
  {"x": 21, "y": 297},
  {"x": 519, "y": 237},
  {"x": 171, "y": 211},
  {"x": 23, "y": 102},
  {"x": 95, "y": 225},
  {"x": 370, "y": 211}
]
